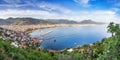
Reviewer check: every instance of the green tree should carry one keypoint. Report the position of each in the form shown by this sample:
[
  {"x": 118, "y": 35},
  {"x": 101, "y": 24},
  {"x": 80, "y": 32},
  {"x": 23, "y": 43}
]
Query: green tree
[{"x": 111, "y": 28}]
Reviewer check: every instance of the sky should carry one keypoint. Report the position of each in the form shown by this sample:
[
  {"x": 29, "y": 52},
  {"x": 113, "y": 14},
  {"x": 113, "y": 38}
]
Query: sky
[{"x": 78, "y": 10}]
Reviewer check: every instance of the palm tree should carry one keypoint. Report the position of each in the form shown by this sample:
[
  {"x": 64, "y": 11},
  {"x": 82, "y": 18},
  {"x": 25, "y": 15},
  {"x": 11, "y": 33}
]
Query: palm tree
[{"x": 111, "y": 28}]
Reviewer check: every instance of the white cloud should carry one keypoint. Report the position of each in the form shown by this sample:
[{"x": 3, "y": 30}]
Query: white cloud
[
  {"x": 100, "y": 16},
  {"x": 27, "y": 13},
  {"x": 53, "y": 7},
  {"x": 115, "y": 9},
  {"x": 117, "y": 4},
  {"x": 14, "y": 4},
  {"x": 17, "y": 4},
  {"x": 12, "y": 1},
  {"x": 82, "y": 2}
]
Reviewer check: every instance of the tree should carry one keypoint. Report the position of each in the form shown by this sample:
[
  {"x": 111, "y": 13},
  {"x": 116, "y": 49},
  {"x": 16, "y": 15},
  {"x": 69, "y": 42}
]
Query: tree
[
  {"x": 111, "y": 28},
  {"x": 112, "y": 44}
]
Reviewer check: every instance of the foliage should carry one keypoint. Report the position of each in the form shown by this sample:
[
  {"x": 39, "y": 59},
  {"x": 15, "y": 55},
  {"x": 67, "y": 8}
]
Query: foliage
[
  {"x": 8, "y": 52},
  {"x": 107, "y": 49}
]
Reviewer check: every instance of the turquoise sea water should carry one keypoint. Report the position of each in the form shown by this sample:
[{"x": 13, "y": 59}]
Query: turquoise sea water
[{"x": 67, "y": 37}]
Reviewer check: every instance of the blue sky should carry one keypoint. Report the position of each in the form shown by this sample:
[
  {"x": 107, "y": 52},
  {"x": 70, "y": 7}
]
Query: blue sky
[{"x": 98, "y": 10}]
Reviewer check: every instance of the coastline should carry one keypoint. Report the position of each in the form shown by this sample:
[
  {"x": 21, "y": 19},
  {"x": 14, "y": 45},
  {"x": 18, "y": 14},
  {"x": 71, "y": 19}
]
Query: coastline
[{"x": 26, "y": 28}]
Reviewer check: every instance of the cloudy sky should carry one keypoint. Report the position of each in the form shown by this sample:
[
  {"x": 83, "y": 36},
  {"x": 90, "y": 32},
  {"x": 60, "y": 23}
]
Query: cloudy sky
[{"x": 97, "y": 10}]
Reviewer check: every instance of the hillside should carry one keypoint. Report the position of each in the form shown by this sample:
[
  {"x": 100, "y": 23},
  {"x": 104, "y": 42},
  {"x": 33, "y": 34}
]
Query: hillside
[
  {"x": 22, "y": 21},
  {"x": 62, "y": 21},
  {"x": 3, "y": 22},
  {"x": 29, "y": 21},
  {"x": 26, "y": 21},
  {"x": 90, "y": 22}
]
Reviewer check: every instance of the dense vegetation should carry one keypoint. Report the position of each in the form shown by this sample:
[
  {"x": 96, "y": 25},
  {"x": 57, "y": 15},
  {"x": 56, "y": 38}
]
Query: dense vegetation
[{"x": 107, "y": 49}]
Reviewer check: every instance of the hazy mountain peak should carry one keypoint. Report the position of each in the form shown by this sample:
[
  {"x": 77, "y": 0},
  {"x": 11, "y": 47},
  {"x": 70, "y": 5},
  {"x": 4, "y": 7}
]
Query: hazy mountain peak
[{"x": 29, "y": 20}]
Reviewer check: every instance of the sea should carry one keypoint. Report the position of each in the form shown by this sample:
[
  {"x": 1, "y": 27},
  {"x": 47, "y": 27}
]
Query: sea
[{"x": 60, "y": 38}]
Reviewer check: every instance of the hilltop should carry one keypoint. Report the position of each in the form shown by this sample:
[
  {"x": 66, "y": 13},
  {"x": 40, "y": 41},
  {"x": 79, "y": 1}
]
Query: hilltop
[
  {"x": 90, "y": 22},
  {"x": 31, "y": 21}
]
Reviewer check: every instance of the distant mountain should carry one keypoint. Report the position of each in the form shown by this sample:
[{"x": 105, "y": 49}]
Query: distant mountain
[
  {"x": 61, "y": 21},
  {"x": 29, "y": 21},
  {"x": 90, "y": 22},
  {"x": 22, "y": 21},
  {"x": 3, "y": 22}
]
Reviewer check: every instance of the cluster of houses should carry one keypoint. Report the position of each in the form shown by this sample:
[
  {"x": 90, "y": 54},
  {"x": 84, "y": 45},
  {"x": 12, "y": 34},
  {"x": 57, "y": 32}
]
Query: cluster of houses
[{"x": 19, "y": 38}]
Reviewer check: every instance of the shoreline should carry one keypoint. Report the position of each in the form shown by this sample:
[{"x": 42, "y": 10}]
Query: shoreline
[{"x": 28, "y": 28}]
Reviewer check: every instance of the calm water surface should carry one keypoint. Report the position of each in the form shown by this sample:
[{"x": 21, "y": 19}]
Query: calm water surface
[{"x": 67, "y": 37}]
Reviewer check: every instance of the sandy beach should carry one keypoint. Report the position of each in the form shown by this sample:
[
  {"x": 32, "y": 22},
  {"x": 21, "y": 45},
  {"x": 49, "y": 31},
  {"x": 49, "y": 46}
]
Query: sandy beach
[{"x": 40, "y": 26}]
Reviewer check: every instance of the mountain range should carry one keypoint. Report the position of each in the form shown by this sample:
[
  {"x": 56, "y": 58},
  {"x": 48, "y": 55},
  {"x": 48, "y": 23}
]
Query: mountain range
[{"x": 29, "y": 21}]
